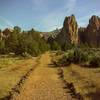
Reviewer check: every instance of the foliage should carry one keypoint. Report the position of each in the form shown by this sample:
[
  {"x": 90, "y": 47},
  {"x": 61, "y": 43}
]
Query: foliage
[
  {"x": 80, "y": 56},
  {"x": 2, "y": 46},
  {"x": 67, "y": 46},
  {"x": 12, "y": 42},
  {"x": 93, "y": 60},
  {"x": 22, "y": 43},
  {"x": 55, "y": 46}
]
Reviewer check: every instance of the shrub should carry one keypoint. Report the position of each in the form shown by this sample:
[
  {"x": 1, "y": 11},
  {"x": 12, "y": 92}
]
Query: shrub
[
  {"x": 76, "y": 56},
  {"x": 66, "y": 46},
  {"x": 93, "y": 60},
  {"x": 64, "y": 61},
  {"x": 2, "y": 47},
  {"x": 79, "y": 56},
  {"x": 55, "y": 46}
]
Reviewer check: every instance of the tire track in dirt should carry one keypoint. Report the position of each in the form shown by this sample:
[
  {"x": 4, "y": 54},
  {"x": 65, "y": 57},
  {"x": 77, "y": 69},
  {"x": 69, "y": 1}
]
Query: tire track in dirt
[
  {"x": 42, "y": 84},
  {"x": 17, "y": 88}
]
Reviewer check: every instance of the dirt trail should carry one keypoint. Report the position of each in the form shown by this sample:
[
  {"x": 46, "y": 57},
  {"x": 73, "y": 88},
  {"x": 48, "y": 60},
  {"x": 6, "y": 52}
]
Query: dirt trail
[{"x": 43, "y": 84}]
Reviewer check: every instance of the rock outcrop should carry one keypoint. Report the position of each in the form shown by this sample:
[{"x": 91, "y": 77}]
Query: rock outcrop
[
  {"x": 91, "y": 35},
  {"x": 69, "y": 32},
  {"x": 52, "y": 34},
  {"x": 82, "y": 36}
]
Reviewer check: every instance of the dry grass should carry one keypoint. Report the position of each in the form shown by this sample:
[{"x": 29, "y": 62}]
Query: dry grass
[
  {"x": 11, "y": 71},
  {"x": 86, "y": 80}
]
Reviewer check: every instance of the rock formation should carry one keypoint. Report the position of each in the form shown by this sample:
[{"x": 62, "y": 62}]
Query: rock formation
[
  {"x": 82, "y": 35},
  {"x": 91, "y": 35},
  {"x": 69, "y": 32}
]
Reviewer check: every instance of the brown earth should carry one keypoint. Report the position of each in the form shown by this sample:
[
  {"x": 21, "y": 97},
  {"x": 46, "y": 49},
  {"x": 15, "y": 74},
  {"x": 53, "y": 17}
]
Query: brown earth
[{"x": 43, "y": 83}]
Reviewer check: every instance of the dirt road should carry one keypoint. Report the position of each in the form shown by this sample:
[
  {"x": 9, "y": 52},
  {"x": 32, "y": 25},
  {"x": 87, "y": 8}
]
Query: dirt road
[{"x": 43, "y": 83}]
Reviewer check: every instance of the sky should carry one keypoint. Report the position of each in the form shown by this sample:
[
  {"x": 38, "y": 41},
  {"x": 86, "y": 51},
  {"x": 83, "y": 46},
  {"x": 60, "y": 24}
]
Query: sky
[{"x": 45, "y": 15}]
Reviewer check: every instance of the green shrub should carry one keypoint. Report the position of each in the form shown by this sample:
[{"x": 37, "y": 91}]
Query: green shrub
[
  {"x": 79, "y": 56},
  {"x": 59, "y": 52},
  {"x": 66, "y": 46},
  {"x": 2, "y": 47},
  {"x": 76, "y": 56},
  {"x": 64, "y": 61},
  {"x": 20, "y": 43},
  {"x": 55, "y": 46},
  {"x": 94, "y": 60}
]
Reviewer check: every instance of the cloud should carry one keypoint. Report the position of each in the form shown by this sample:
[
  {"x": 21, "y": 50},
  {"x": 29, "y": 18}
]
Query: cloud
[
  {"x": 70, "y": 6},
  {"x": 51, "y": 22},
  {"x": 5, "y": 23},
  {"x": 55, "y": 19}
]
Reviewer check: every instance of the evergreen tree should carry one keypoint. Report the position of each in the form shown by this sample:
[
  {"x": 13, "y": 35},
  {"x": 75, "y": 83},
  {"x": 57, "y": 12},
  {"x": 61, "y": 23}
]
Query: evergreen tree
[{"x": 2, "y": 46}]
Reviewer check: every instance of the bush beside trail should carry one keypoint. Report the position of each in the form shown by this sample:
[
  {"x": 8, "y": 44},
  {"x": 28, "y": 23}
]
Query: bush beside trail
[{"x": 78, "y": 56}]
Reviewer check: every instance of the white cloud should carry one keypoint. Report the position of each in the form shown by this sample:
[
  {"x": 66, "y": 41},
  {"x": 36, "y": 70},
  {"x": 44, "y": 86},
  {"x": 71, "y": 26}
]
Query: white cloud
[
  {"x": 55, "y": 19},
  {"x": 70, "y": 6},
  {"x": 51, "y": 21}
]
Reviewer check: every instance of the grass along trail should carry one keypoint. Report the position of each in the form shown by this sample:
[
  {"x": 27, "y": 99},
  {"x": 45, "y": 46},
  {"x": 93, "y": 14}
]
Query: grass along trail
[{"x": 43, "y": 84}]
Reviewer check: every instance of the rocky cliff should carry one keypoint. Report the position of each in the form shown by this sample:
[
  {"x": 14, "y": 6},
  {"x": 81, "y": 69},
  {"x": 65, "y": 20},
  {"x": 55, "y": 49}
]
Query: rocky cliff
[
  {"x": 91, "y": 35},
  {"x": 69, "y": 32},
  {"x": 81, "y": 35}
]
